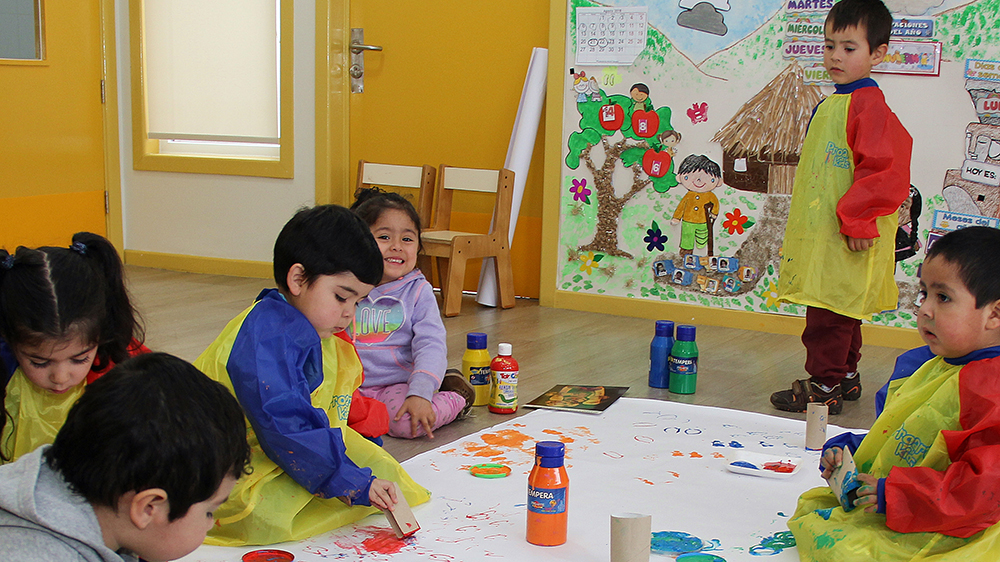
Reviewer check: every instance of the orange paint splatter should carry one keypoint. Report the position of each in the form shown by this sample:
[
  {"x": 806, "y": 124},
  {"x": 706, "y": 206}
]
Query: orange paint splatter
[
  {"x": 695, "y": 455},
  {"x": 718, "y": 455},
  {"x": 678, "y": 454},
  {"x": 643, "y": 480},
  {"x": 674, "y": 474}
]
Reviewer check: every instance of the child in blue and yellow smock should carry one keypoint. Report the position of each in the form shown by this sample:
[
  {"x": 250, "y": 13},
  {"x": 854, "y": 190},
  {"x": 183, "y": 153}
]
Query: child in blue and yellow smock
[
  {"x": 930, "y": 465},
  {"x": 288, "y": 362},
  {"x": 853, "y": 174},
  {"x": 65, "y": 319}
]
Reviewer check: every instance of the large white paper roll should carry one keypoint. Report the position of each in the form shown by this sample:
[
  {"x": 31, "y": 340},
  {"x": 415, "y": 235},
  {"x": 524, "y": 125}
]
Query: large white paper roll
[{"x": 522, "y": 144}]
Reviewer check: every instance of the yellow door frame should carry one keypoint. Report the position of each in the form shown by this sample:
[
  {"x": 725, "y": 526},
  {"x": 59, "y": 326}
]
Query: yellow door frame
[
  {"x": 333, "y": 96},
  {"x": 112, "y": 159}
]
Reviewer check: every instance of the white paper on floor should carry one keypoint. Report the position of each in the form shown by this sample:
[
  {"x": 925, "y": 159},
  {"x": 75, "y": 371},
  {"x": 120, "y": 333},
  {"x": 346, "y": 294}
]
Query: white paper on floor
[{"x": 645, "y": 456}]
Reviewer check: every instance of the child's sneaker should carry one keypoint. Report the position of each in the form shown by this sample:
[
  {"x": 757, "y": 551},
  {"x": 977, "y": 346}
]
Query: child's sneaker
[
  {"x": 805, "y": 391},
  {"x": 455, "y": 381},
  {"x": 850, "y": 387}
]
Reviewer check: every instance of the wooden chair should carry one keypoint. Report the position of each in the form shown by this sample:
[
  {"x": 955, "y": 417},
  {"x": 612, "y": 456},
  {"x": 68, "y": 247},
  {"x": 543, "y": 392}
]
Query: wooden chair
[
  {"x": 420, "y": 178},
  {"x": 452, "y": 249}
]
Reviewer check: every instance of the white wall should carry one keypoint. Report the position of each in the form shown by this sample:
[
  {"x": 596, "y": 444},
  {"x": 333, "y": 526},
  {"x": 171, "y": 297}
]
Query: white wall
[{"x": 217, "y": 216}]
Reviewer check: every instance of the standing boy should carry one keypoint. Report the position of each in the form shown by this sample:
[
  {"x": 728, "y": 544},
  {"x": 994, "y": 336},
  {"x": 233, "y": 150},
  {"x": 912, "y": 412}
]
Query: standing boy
[
  {"x": 930, "y": 465},
  {"x": 145, "y": 457},
  {"x": 854, "y": 173}
]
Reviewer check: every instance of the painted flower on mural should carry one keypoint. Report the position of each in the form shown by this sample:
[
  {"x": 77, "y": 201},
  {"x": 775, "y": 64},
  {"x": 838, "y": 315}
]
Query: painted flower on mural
[
  {"x": 590, "y": 262},
  {"x": 580, "y": 191},
  {"x": 736, "y": 222},
  {"x": 654, "y": 238},
  {"x": 770, "y": 294}
]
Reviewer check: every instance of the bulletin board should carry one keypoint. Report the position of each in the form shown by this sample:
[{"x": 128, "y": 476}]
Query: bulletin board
[{"x": 729, "y": 87}]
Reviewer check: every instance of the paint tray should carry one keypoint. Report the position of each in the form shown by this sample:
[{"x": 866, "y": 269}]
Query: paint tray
[{"x": 760, "y": 464}]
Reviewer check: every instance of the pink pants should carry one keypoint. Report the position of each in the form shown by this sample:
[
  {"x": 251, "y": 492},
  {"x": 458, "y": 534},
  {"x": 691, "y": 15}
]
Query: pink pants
[{"x": 446, "y": 406}]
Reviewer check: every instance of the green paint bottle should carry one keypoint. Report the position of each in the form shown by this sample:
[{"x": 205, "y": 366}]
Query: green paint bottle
[{"x": 683, "y": 361}]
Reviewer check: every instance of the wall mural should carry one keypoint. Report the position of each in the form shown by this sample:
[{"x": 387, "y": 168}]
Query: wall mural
[{"x": 678, "y": 168}]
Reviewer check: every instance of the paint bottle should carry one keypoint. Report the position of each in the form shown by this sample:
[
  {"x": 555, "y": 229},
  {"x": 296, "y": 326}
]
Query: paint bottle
[
  {"x": 659, "y": 349},
  {"x": 548, "y": 495},
  {"x": 683, "y": 361},
  {"x": 503, "y": 372},
  {"x": 476, "y": 366}
]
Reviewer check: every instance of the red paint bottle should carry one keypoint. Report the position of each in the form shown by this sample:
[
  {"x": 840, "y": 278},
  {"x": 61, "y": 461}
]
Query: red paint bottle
[
  {"x": 503, "y": 375},
  {"x": 548, "y": 495}
]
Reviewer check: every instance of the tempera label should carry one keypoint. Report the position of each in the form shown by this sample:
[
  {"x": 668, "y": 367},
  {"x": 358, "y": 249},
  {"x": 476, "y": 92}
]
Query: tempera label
[
  {"x": 547, "y": 500},
  {"x": 683, "y": 365},
  {"x": 479, "y": 375}
]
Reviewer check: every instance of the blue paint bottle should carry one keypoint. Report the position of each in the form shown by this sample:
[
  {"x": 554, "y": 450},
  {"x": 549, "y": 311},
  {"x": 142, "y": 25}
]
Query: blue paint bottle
[
  {"x": 659, "y": 349},
  {"x": 683, "y": 361}
]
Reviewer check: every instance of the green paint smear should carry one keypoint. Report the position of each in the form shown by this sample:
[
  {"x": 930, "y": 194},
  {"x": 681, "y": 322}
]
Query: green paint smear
[{"x": 826, "y": 541}]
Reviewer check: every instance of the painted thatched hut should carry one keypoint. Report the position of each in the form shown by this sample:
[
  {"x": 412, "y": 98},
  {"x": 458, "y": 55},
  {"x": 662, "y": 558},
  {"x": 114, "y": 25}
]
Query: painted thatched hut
[{"x": 762, "y": 142}]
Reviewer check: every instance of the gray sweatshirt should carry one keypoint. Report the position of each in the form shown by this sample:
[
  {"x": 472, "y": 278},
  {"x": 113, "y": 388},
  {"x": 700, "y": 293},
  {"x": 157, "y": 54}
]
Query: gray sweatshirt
[{"x": 42, "y": 520}]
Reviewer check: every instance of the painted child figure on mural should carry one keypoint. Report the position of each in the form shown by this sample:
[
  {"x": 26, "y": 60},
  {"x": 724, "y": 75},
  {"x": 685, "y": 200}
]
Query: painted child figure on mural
[
  {"x": 930, "y": 464},
  {"x": 854, "y": 173},
  {"x": 699, "y": 175},
  {"x": 398, "y": 330},
  {"x": 640, "y": 97}
]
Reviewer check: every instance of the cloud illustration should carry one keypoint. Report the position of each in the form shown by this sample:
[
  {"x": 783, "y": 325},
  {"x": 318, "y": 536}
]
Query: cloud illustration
[{"x": 703, "y": 17}]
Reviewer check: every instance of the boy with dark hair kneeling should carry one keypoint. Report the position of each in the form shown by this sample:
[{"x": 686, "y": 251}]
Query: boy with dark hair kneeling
[
  {"x": 930, "y": 465},
  {"x": 146, "y": 455}
]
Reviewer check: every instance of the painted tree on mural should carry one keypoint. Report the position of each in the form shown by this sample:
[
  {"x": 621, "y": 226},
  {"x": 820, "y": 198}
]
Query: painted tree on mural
[{"x": 631, "y": 133}]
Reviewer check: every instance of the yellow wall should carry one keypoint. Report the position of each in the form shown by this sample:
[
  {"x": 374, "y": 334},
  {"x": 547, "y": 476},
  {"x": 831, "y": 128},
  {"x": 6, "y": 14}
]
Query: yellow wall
[
  {"x": 445, "y": 90},
  {"x": 51, "y": 131}
]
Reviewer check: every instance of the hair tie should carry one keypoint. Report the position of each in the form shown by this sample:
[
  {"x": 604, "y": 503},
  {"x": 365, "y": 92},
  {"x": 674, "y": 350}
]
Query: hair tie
[
  {"x": 79, "y": 247},
  {"x": 8, "y": 262}
]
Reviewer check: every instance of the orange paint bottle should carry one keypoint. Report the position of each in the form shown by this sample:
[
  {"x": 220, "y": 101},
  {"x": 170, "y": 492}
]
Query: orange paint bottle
[{"x": 548, "y": 495}]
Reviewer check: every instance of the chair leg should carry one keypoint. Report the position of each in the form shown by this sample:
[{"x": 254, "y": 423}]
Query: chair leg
[
  {"x": 456, "y": 277},
  {"x": 442, "y": 275},
  {"x": 505, "y": 279}
]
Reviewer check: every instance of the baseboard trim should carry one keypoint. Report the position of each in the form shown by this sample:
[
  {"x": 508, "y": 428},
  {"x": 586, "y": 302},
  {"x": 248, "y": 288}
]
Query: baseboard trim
[
  {"x": 200, "y": 264},
  {"x": 883, "y": 336}
]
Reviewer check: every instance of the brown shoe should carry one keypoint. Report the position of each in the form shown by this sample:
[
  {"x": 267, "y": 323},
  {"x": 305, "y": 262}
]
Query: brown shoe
[
  {"x": 455, "y": 381},
  {"x": 805, "y": 391}
]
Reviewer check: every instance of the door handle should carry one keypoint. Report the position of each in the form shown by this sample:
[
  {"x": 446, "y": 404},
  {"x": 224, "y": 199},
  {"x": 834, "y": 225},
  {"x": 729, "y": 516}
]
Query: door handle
[{"x": 357, "y": 69}]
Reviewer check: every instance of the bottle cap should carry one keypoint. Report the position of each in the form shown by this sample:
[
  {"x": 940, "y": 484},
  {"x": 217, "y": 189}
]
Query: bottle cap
[
  {"x": 665, "y": 328},
  {"x": 475, "y": 340},
  {"x": 685, "y": 332},
  {"x": 550, "y": 449},
  {"x": 504, "y": 349}
]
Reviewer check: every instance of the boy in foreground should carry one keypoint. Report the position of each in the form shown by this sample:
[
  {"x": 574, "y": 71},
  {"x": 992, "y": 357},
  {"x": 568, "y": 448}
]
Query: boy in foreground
[
  {"x": 930, "y": 465},
  {"x": 144, "y": 458},
  {"x": 838, "y": 253}
]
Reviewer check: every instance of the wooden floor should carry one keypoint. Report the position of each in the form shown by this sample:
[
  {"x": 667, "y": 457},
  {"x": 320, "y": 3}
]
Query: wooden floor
[{"x": 738, "y": 369}]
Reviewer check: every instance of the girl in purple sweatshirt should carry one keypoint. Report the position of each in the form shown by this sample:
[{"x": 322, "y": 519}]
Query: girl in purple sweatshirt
[{"x": 398, "y": 330}]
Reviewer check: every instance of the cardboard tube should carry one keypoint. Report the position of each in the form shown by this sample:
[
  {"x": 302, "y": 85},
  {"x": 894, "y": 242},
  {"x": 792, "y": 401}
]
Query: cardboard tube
[
  {"x": 630, "y": 534},
  {"x": 816, "y": 416}
]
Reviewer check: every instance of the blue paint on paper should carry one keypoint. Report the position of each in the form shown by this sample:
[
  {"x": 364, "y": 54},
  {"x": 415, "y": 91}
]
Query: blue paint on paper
[
  {"x": 718, "y": 443},
  {"x": 736, "y": 444},
  {"x": 700, "y": 557},
  {"x": 765, "y": 444},
  {"x": 673, "y": 543},
  {"x": 774, "y": 544}
]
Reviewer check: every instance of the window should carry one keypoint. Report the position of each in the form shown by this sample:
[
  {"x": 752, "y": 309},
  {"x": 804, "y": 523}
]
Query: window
[
  {"x": 21, "y": 30},
  {"x": 212, "y": 86}
]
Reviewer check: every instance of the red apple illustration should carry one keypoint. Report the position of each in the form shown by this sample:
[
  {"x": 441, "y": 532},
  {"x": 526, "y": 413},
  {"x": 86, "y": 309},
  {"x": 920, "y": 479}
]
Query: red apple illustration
[
  {"x": 645, "y": 123},
  {"x": 656, "y": 164},
  {"x": 612, "y": 116}
]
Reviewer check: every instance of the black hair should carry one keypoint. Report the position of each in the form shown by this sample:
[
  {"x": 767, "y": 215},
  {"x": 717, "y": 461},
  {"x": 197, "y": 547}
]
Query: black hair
[
  {"x": 641, "y": 87},
  {"x": 872, "y": 15},
  {"x": 326, "y": 240},
  {"x": 699, "y": 163},
  {"x": 371, "y": 202},
  {"x": 975, "y": 251},
  {"x": 153, "y": 421},
  {"x": 53, "y": 293},
  {"x": 907, "y": 243}
]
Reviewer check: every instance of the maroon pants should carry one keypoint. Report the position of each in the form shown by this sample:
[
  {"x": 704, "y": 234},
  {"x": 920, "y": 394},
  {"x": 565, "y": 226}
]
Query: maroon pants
[{"x": 833, "y": 345}]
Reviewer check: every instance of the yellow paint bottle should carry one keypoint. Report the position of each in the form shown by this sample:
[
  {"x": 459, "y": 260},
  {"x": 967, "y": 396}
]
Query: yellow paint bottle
[{"x": 476, "y": 366}]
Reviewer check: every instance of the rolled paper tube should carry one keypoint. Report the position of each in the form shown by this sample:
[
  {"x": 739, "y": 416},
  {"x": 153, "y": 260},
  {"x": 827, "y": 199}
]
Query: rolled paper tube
[
  {"x": 816, "y": 416},
  {"x": 630, "y": 534}
]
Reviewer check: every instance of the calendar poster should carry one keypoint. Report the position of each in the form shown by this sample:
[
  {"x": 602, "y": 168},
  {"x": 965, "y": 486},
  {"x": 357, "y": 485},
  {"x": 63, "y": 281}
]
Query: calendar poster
[{"x": 613, "y": 36}]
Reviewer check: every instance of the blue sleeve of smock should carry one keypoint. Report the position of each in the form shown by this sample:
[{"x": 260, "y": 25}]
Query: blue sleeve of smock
[
  {"x": 849, "y": 441},
  {"x": 430, "y": 351},
  {"x": 274, "y": 370},
  {"x": 906, "y": 365}
]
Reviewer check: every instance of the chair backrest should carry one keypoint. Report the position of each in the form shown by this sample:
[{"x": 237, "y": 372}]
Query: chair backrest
[
  {"x": 499, "y": 182},
  {"x": 420, "y": 178}
]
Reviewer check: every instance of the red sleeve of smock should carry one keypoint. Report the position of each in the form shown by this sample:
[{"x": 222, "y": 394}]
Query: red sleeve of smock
[
  {"x": 882, "y": 150},
  {"x": 134, "y": 348},
  {"x": 367, "y": 416},
  {"x": 964, "y": 498}
]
